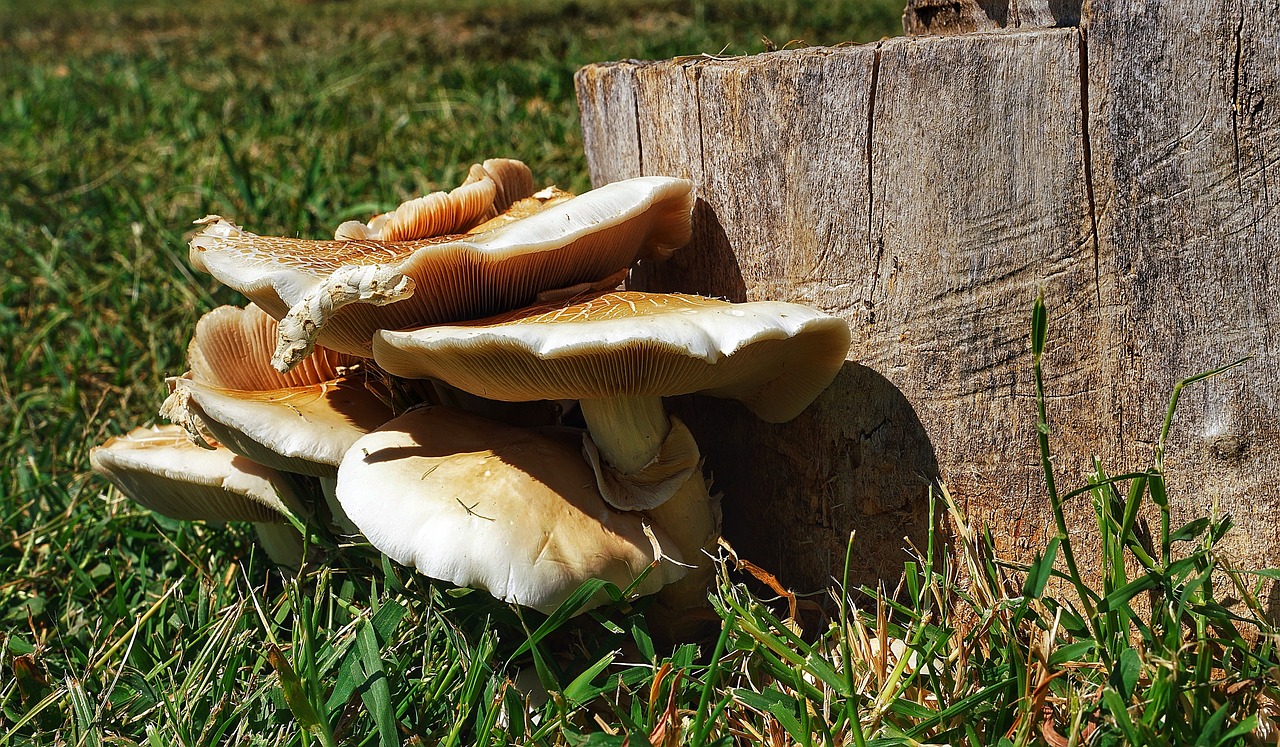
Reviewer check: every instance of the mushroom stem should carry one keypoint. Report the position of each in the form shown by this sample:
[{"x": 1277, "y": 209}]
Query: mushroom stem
[
  {"x": 372, "y": 284},
  {"x": 692, "y": 519},
  {"x": 282, "y": 543},
  {"x": 337, "y": 515},
  {"x": 628, "y": 431}
]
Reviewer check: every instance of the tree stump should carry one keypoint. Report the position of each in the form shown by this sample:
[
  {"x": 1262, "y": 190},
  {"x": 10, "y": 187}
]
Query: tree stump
[
  {"x": 925, "y": 189},
  {"x": 923, "y": 17}
]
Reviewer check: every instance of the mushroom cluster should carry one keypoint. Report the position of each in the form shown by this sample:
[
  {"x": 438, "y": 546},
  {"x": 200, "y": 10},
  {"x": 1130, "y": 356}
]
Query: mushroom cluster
[{"x": 395, "y": 382}]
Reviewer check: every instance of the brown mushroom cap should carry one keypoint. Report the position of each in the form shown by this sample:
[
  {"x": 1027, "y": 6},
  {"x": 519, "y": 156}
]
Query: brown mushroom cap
[
  {"x": 232, "y": 347},
  {"x": 775, "y": 357},
  {"x": 485, "y": 505},
  {"x": 340, "y": 293}
]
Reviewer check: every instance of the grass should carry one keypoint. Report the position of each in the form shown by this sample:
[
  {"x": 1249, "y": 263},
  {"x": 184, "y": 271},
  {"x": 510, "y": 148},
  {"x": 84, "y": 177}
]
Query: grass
[{"x": 125, "y": 121}]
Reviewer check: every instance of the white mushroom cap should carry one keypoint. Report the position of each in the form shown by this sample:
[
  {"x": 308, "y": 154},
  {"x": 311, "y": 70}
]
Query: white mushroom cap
[
  {"x": 341, "y": 292},
  {"x": 161, "y": 469},
  {"x": 304, "y": 429},
  {"x": 509, "y": 510},
  {"x": 302, "y": 421},
  {"x": 775, "y": 357}
]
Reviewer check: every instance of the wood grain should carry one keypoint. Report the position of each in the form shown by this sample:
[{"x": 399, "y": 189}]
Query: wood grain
[
  {"x": 925, "y": 189},
  {"x": 1185, "y": 139}
]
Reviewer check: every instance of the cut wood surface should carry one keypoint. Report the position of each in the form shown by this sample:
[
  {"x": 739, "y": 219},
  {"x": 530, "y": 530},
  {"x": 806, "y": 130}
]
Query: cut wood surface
[{"x": 924, "y": 189}]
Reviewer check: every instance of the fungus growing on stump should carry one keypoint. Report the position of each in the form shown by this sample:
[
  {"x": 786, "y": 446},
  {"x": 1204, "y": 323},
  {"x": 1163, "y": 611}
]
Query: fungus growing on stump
[
  {"x": 340, "y": 293},
  {"x": 161, "y": 469},
  {"x": 619, "y": 354},
  {"x": 512, "y": 511}
]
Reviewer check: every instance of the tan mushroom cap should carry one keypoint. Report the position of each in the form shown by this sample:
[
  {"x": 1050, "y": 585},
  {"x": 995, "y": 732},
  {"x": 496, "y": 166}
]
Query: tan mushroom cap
[
  {"x": 305, "y": 430},
  {"x": 302, "y": 421},
  {"x": 489, "y": 190},
  {"x": 232, "y": 346},
  {"x": 161, "y": 469},
  {"x": 775, "y": 357},
  {"x": 521, "y": 209},
  {"x": 340, "y": 293},
  {"x": 508, "y": 510}
]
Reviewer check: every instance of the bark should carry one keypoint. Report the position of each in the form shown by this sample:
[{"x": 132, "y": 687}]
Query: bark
[
  {"x": 925, "y": 17},
  {"x": 925, "y": 189}
]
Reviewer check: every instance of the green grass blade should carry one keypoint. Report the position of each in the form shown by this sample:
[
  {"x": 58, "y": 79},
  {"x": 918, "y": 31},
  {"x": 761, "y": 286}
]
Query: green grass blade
[
  {"x": 1173, "y": 404},
  {"x": 700, "y": 724},
  {"x": 1040, "y": 571},
  {"x": 1244, "y": 728},
  {"x": 1115, "y": 706},
  {"x": 295, "y": 695},
  {"x": 1127, "y": 670},
  {"x": 239, "y": 174},
  {"x": 1039, "y": 326},
  {"x": 374, "y": 689},
  {"x": 1120, "y": 597},
  {"x": 580, "y": 689},
  {"x": 959, "y": 708},
  {"x": 1209, "y": 731},
  {"x": 562, "y": 614}
]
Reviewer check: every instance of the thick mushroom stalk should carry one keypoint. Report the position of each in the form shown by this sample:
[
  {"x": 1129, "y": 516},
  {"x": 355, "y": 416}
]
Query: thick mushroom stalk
[
  {"x": 649, "y": 476},
  {"x": 631, "y": 435},
  {"x": 628, "y": 431}
]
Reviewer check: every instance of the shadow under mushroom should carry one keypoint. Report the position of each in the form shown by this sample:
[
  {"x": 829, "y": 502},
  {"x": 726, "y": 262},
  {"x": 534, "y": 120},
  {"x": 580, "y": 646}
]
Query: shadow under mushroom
[
  {"x": 857, "y": 460},
  {"x": 707, "y": 267}
]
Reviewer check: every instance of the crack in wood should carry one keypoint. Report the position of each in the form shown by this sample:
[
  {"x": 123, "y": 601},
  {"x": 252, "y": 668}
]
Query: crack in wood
[
  {"x": 1235, "y": 101},
  {"x": 875, "y": 250},
  {"x": 702, "y": 135},
  {"x": 1087, "y": 154},
  {"x": 635, "y": 111}
]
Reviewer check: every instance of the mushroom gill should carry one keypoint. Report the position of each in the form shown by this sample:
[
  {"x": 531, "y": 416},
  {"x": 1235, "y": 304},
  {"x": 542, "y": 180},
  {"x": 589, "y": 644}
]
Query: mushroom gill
[{"x": 341, "y": 293}]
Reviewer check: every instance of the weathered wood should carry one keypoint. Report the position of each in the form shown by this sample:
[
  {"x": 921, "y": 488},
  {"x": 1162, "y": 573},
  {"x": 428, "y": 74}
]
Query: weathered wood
[
  {"x": 924, "y": 189},
  {"x": 926, "y": 17},
  {"x": 1184, "y": 130}
]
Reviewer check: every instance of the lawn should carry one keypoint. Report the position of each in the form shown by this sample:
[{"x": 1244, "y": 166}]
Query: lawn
[{"x": 123, "y": 122}]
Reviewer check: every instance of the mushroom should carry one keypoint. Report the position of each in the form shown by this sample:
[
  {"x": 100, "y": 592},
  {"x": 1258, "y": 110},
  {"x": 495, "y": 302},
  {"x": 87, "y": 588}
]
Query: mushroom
[
  {"x": 489, "y": 190},
  {"x": 302, "y": 421},
  {"x": 619, "y": 354},
  {"x": 161, "y": 469},
  {"x": 521, "y": 209},
  {"x": 512, "y": 511},
  {"x": 341, "y": 292}
]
